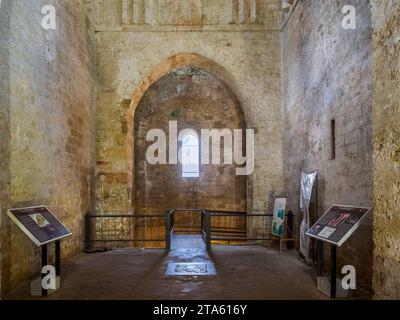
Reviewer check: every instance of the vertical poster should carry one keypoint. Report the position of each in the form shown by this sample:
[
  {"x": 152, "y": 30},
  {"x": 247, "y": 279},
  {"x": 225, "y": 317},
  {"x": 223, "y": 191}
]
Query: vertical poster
[
  {"x": 278, "y": 220},
  {"x": 306, "y": 188}
]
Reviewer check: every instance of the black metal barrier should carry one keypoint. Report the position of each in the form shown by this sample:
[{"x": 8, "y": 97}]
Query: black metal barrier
[
  {"x": 218, "y": 227},
  {"x": 120, "y": 230}
]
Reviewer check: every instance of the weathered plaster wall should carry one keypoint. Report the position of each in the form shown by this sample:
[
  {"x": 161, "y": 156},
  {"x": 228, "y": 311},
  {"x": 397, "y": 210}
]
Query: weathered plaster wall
[
  {"x": 195, "y": 100},
  {"x": 386, "y": 119},
  {"x": 246, "y": 49},
  {"x": 327, "y": 74},
  {"x": 4, "y": 124},
  {"x": 48, "y": 105}
]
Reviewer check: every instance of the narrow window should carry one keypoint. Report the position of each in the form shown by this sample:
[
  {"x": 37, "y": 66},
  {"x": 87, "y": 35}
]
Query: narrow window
[
  {"x": 333, "y": 139},
  {"x": 190, "y": 156}
]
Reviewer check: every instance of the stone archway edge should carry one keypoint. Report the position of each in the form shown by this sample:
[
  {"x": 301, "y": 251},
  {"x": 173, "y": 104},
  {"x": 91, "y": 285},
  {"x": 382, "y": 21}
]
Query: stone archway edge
[{"x": 179, "y": 61}]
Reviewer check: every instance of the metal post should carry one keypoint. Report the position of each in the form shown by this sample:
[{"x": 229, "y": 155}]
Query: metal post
[
  {"x": 320, "y": 258},
  {"x": 168, "y": 231},
  {"x": 58, "y": 257},
  {"x": 172, "y": 221},
  {"x": 44, "y": 263},
  {"x": 333, "y": 271},
  {"x": 208, "y": 231},
  {"x": 88, "y": 232},
  {"x": 202, "y": 222},
  {"x": 290, "y": 226},
  {"x": 320, "y": 244}
]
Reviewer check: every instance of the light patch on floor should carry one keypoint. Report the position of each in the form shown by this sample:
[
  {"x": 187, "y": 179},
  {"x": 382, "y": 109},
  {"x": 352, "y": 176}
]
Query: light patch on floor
[{"x": 190, "y": 269}]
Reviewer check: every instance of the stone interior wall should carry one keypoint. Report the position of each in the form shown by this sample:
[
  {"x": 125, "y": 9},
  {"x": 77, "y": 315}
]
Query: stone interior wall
[
  {"x": 327, "y": 75},
  {"x": 47, "y": 109},
  {"x": 4, "y": 125},
  {"x": 386, "y": 140},
  {"x": 46, "y": 129},
  {"x": 127, "y": 52},
  {"x": 191, "y": 14},
  {"x": 195, "y": 100}
]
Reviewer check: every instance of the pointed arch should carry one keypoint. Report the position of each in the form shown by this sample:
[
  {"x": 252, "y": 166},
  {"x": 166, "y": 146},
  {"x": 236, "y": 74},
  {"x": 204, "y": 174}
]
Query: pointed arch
[
  {"x": 179, "y": 61},
  {"x": 176, "y": 62}
]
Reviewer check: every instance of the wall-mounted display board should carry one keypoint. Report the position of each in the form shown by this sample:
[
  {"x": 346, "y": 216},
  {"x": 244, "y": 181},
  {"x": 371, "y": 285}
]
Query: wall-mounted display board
[
  {"x": 338, "y": 224},
  {"x": 278, "y": 220},
  {"x": 39, "y": 224}
]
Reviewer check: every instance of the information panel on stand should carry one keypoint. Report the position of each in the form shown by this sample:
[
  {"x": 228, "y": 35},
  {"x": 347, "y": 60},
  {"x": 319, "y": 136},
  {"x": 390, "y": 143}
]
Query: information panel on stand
[
  {"x": 338, "y": 224},
  {"x": 39, "y": 224}
]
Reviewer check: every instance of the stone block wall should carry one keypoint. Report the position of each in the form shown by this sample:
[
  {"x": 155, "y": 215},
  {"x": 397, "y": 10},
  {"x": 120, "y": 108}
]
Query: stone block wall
[
  {"x": 46, "y": 129},
  {"x": 386, "y": 142},
  {"x": 327, "y": 75},
  {"x": 4, "y": 126},
  {"x": 246, "y": 54},
  {"x": 58, "y": 137},
  {"x": 189, "y": 14}
]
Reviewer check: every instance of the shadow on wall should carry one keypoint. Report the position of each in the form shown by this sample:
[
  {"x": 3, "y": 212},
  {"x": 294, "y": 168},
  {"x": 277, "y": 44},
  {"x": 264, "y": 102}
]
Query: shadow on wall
[{"x": 5, "y": 17}]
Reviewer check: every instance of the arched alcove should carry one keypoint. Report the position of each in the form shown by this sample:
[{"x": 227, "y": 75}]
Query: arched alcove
[
  {"x": 170, "y": 65},
  {"x": 194, "y": 99}
]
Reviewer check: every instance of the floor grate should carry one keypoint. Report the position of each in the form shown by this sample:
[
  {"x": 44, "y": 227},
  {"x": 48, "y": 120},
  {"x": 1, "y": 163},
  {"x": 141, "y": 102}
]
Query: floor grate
[{"x": 190, "y": 269}]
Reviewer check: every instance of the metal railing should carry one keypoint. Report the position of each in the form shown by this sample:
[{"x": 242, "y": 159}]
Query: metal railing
[
  {"x": 169, "y": 228},
  {"x": 121, "y": 230},
  {"x": 206, "y": 228},
  {"x": 156, "y": 231},
  {"x": 239, "y": 226},
  {"x": 235, "y": 227}
]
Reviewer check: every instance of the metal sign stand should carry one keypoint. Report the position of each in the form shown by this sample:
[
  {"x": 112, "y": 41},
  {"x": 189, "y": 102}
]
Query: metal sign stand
[
  {"x": 333, "y": 271},
  {"x": 345, "y": 219},
  {"x": 319, "y": 244},
  {"x": 57, "y": 246}
]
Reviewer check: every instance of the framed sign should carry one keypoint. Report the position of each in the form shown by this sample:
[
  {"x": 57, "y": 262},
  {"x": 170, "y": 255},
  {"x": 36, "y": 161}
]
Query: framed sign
[
  {"x": 278, "y": 220},
  {"x": 39, "y": 224},
  {"x": 338, "y": 224}
]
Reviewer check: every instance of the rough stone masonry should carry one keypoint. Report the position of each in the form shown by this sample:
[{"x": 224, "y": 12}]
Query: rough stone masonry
[{"x": 71, "y": 102}]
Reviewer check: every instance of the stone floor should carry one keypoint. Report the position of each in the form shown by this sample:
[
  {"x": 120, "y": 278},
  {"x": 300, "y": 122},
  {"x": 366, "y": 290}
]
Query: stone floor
[{"x": 243, "y": 272}]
